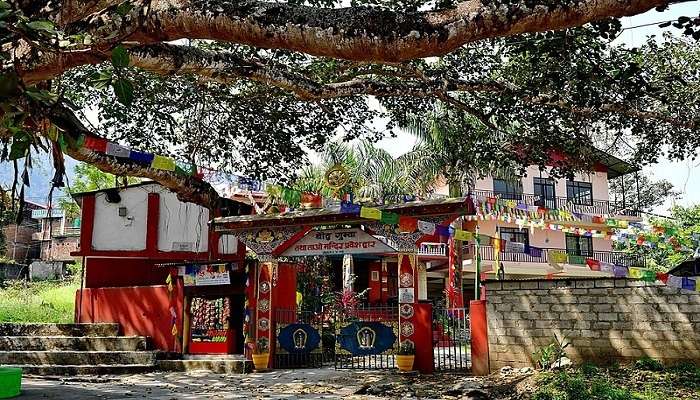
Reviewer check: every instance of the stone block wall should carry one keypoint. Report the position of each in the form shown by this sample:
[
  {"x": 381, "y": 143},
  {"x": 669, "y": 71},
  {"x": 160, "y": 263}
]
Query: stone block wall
[{"x": 605, "y": 320}]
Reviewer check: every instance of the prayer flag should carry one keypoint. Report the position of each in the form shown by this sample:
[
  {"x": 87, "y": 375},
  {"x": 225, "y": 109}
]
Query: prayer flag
[
  {"x": 675, "y": 281},
  {"x": 442, "y": 230},
  {"x": 370, "y": 213},
  {"x": 407, "y": 224},
  {"x": 116, "y": 150},
  {"x": 390, "y": 218},
  {"x": 141, "y": 157},
  {"x": 611, "y": 222},
  {"x": 95, "y": 144},
  {"x": 427, "y": 228},
  {"x": 663, "y": 277},
  {"x": 349, "y": 208},
  {"x": 594, "y": 265},
  {"x": 688, "y": 284},
  {"x": 463, "y": 235},
  {"x": 623, "y": 224},
  {"x": 498, "y": 244},
  {"x": 636, "y": 273},
  {"x": 533, "y": 251},
  {"x": 620, "y": 271},
  {"x": 607, "y": 267},
  {"x": 558, "y": 256},
  {"x": 163, "y": 163},
  {"x": 649, "y": 275},
  {"x": 577, "y": 260},
  {"x": 514, "y": 247}
]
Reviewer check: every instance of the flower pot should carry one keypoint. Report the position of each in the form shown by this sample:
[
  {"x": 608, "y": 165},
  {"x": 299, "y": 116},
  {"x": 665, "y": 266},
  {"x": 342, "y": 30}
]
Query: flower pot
[
  {"x": 405, "y": 362},
  {"x": 10, "y": 382},
  {"x": 261, "y": 360}
]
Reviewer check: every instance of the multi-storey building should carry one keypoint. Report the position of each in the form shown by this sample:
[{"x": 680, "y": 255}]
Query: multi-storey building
[{"x": 586, "y": 195}]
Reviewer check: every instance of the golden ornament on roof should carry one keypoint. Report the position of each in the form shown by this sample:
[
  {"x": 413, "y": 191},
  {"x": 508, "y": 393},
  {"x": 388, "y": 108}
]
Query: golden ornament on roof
[{"x": 337, "y": 177}]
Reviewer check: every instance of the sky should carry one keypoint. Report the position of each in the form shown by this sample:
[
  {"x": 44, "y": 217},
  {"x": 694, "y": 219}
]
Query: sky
[{"x": 684, "y": 175}]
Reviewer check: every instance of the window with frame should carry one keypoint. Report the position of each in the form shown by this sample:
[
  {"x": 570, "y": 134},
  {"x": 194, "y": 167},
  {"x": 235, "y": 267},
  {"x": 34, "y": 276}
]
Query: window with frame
[
  {"x": 545, "y": 195},
  {"x": 579, "y": 192},
  {"x": 508, "y": 189},
  {"x": 514, "y": 235},
  {"x": 579, "y": 245}
]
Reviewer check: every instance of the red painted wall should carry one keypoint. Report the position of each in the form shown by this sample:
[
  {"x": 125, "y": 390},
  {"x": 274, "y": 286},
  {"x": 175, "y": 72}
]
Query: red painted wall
[
  {"x": 375, "y": 287},
  {"x": 284, "y": 294},
  {"x": 120, "y": 272},
  {"x": 140, "y": 311},
  {"x": 423, "y": 337}
]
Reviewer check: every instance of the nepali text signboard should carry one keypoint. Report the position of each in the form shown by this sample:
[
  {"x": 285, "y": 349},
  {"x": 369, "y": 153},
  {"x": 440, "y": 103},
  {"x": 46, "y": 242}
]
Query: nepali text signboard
[
  {"x": 206, "y": 275},
  {"x": 337, "y": 241}
]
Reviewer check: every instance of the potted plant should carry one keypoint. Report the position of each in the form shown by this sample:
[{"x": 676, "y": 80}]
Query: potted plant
[
  {"x": 405, "y": 356},
  {"x": 261, "y": 354}
]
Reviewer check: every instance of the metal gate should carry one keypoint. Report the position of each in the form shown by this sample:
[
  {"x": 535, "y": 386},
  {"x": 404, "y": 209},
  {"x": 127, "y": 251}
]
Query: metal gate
[
  {"x": 366, "y": 338},
  {"x": 299, "y": 340},
  {"x": 451, "y": 339}
]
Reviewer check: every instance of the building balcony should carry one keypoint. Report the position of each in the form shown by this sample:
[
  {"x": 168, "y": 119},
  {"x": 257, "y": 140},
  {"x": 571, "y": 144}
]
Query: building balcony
[
  {"x": 612, "y": 257},
  {"x": 592, "y": 206}
]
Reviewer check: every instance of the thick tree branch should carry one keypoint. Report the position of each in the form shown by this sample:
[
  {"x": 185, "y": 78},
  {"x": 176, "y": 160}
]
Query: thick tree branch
[
  {"x": 188, "y": 189},
  {"x": 370, "y": 34},
  {"x": 352, "y": 33}
]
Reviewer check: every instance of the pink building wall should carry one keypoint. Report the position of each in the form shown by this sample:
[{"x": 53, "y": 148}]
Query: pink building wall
[{"x": 542, "y": 238}]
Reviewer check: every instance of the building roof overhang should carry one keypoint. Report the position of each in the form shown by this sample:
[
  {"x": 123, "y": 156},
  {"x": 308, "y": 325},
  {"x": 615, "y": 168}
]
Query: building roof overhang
[{"x": 333, "y": 216}]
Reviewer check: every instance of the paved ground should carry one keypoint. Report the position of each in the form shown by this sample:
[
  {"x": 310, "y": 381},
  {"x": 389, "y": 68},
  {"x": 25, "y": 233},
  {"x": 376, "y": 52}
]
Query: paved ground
[{"x": 326, "y": 383}]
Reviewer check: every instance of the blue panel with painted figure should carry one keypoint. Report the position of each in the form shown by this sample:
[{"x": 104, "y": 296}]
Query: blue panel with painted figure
[
  {"x": 299, "y": 338},
  {"x": 366, "y": 338}
]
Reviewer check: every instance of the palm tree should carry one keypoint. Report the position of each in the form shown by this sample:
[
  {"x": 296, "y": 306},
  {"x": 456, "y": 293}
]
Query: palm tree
[
  {"x": 456, "y": 147},
  {"x": 374, "y": 175}
]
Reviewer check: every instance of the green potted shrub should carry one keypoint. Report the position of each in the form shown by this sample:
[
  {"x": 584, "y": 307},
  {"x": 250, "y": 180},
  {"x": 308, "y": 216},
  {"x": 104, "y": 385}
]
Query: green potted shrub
[
  {"x": 406, "y": 356},
  {"x": 261, "y": 354}
]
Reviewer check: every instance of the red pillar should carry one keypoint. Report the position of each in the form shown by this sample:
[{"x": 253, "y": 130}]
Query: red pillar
[
  {"x": 480, "y": 338},
  {"x": 423, "y": 338},
  {"x": 152, "y": 223},
  {"x": 455, "y": 297}
]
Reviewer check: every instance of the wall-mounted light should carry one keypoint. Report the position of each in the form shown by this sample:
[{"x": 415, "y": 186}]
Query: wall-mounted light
[{"x": 123, "y": 211}]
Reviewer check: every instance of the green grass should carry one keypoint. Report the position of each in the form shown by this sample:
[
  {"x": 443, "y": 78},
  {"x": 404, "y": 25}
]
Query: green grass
[
  {"x": 37, "y": 301},
  {"x": 647, "y": 379}
]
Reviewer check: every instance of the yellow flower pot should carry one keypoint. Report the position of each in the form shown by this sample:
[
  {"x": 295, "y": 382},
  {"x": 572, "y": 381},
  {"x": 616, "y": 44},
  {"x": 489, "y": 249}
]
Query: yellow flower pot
[
  {"x": 261, "y": 361},
  {"x": 405, "y": 363}
]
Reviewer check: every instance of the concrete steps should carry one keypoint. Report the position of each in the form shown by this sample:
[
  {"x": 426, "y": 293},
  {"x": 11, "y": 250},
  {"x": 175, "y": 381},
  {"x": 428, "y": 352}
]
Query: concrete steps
[
  {"x": 8, "y": 329},
  {"x": 77, "y": 357},
  {"x": 220, "y": 364},
  {"x": 54, "y": 370},
  {"x": 75, "y": 343},
  {"x": 70, "y": 349}
]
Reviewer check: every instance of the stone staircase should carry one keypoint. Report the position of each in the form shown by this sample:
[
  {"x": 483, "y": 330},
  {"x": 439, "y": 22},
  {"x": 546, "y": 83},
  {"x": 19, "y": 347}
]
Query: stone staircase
[
  {"x": 217, "y": 363},
  {"x": 70, "y": 349}
]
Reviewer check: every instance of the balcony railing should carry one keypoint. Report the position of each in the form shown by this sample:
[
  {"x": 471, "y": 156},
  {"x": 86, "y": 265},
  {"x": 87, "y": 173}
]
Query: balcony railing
[
  {"x": 595, "y": 206},
  {"x": 612, "y": 257},
  {"x": 429, "y": 249}
]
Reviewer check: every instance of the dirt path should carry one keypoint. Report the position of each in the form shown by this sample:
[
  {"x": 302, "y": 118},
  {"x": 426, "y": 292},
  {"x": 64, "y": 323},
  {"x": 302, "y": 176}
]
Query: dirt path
[{"x": 326, "y": 383}]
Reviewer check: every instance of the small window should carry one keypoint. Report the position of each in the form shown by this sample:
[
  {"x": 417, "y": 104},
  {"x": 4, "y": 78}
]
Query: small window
[
  {"x": 544, "y": 192},
  {"x": 579, "y": 245},
  {"x": 508, "y": 189},
  {"x": 514, "y": 235},
  {"x": 579, "y": 192}
]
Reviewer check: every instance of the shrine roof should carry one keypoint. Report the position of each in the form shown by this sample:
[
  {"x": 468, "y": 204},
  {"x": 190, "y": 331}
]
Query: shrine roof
[{"x": 326, "y": 216}]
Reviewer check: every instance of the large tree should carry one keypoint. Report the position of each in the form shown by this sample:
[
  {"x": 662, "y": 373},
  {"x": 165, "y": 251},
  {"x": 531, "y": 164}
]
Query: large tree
[{"x": 250, "y": 85}]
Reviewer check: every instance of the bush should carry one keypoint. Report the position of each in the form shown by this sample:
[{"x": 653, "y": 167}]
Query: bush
[
  {"x": 589, "y": 369},
  {"x": 649, "y": 364},
  {"x": 576, "y": 386}
]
